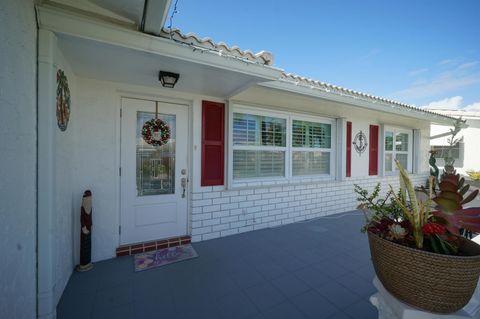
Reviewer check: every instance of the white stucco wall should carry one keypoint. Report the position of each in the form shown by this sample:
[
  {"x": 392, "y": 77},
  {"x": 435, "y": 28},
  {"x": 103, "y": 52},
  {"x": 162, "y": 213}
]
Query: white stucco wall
[
  {"x": 214, "y": 211},
  {"x": 218, "y": 211},
  {"x": 17, "y": 159},
  {"x": 66, "y": 215},
  {"x": 470, "y": 159},
  {"x": 97, "y": 152}
]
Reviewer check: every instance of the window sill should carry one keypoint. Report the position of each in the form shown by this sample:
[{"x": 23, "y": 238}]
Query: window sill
[{"x": 298, "y": 180}]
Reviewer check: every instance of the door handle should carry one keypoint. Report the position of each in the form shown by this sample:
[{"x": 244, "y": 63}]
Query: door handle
[{"x": 183, "y": 183}]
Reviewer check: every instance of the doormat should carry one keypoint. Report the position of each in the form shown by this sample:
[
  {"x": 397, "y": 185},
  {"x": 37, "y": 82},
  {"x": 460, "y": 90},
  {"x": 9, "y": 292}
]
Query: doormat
[{"x": 163, "y": 257}]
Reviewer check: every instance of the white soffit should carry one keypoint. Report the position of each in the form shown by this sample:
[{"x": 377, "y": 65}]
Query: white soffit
[
  {"x": 99, "y": 49},
  {"x": 130, "y": 9},
  {"x": 155, "y": 15},
  {"x": 108, "y": 62},
  {"x": 119, "y": 10}
]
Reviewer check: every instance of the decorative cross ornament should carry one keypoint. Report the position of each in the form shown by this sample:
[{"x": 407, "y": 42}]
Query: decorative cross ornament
[{"x": 360, "y": 142}]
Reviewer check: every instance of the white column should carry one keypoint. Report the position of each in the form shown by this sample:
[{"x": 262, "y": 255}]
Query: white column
[
  {"x": 341, "y": 150},
  {"x": 416, "y": 151},
  {"x": 381, "y": 150},
  {"x": 390, "y": 307},
  {"x": 46, "y": 172}
]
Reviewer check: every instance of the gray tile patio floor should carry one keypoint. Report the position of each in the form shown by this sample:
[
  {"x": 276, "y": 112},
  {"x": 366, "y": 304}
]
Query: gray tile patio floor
[{"x": 315, "y": 269}]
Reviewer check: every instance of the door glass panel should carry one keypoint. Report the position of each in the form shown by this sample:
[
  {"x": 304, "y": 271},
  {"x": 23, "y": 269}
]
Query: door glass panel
[{"x": 155, "y": 164}]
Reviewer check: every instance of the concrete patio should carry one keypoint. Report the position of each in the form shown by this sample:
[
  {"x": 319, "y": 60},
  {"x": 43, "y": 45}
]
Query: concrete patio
[{"x": 314, "y": 269}]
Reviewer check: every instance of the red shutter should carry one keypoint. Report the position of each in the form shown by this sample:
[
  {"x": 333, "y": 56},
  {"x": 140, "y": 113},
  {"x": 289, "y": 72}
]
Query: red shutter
[
  {"x": 349, "y": 149},
  {"x": 373, "y": 151},
  {"x": 213, "y": 143}
]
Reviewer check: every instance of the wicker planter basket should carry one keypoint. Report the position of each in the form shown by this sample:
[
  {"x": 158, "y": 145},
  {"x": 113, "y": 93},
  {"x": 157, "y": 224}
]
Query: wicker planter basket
[{"x": 432, "y": 282}]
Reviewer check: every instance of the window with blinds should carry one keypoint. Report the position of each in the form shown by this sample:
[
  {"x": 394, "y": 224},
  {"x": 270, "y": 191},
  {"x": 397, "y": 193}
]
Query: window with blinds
[
  {"x": 311, "y": 134},
  {"x": 251, "y": 164},
  {"x": 311, "y": 142},
  {"x": 259, "y": 146},
  {"x": 258, "y": 130}
]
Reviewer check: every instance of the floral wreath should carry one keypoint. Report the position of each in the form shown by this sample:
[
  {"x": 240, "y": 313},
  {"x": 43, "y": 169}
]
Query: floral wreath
[{"x": 156, "y": 132}]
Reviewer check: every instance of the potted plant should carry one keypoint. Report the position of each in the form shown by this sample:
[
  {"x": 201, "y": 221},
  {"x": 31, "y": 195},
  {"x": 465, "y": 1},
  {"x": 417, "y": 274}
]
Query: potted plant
[{"x": 416, "y": 245}]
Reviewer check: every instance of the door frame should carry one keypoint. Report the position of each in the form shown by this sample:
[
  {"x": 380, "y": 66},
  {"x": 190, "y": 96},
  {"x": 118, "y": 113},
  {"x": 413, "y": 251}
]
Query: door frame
[{"x": 118, "y": 159}]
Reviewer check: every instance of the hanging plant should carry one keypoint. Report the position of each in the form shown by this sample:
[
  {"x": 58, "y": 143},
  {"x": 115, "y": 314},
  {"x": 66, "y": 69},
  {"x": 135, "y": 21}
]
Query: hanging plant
[{"x": 156, "y": 132}]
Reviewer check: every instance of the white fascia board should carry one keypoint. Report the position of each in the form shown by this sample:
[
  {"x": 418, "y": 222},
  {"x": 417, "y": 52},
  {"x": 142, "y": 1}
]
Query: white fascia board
[
  {"x": 61, "y": 21},
  {"x": 155, "y": 15},
  {"x": 358, "y": 102}
]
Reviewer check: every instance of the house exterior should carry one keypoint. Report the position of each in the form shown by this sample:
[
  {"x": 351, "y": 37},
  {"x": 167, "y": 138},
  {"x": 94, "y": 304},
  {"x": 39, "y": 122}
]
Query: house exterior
[
  {"x": 465, "y": 152},
  {"x": 250, "y": 145}
]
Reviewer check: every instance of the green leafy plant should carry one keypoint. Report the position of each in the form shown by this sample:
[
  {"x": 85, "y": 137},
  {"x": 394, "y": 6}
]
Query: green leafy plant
[
  {"x": 475, "y": 175},
  {"x": 431, "y": 224},
  {"x": 374, "y": 207},
  {"x": 418, "y": 212}
]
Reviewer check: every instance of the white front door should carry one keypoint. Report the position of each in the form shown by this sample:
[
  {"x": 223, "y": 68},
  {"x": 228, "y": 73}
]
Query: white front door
[{"x": 153, "y": 178}]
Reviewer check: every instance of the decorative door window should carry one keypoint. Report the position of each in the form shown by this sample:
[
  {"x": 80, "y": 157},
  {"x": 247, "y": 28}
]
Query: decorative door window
[{"x": 155, "y": 171}]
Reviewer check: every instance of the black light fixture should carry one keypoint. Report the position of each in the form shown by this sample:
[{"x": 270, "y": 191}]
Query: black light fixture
[{"x": 168, "y": 79}]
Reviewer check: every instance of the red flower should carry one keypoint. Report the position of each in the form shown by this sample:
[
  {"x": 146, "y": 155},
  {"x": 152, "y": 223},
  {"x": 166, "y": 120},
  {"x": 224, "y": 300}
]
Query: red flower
[{"x": 433, "y": 228}]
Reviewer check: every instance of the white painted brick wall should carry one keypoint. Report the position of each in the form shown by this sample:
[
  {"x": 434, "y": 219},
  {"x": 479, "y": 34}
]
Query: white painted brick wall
[{"x": 217, "y": 212}]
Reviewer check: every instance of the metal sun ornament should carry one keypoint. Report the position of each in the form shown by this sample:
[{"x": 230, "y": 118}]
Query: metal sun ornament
[
  {"x": 360, "y": 142},
  {"x": 155, "y": 131}
]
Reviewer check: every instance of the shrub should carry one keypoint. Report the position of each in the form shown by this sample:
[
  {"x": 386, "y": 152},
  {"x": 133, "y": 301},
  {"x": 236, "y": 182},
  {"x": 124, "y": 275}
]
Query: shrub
[{"x": 475, "y": 175}]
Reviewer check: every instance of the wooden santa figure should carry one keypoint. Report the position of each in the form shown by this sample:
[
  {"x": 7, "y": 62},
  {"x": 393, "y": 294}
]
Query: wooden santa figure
[{"x": 86, "y": 233}]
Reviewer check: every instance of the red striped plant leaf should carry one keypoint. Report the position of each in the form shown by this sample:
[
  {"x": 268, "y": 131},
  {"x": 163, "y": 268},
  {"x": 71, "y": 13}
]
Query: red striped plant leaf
[
  {"x": 454, "y": 196},
  {"x": 464, "y": 189},
  {"x": 470, "y": 197},
  {"x": 448, "y": 186},
  {"x": 468, "y": 218},
  {"x": 447, "y": 205}
]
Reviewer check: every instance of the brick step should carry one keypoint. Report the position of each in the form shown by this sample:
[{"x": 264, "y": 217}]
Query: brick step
[{"x": 127, "y": 250}]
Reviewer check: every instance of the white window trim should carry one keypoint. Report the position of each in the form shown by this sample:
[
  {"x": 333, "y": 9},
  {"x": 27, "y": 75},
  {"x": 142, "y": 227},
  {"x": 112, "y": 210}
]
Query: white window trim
[
  {"x": 288, "y": 178},
  {"x": 331, "y": 150},
  {"x": 395, "y": 131}
]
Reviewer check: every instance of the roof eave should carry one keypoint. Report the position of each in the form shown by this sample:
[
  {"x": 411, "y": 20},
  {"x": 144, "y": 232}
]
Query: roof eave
[
  {"x": 68, "y": 22},
  {"x": 358, "y": 101}
]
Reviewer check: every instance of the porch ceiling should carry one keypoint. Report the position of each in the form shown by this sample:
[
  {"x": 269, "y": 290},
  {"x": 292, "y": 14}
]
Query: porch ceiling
[{"x": 103, "y": 61}]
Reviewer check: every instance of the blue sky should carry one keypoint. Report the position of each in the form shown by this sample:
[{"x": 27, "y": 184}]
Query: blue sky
[{"x": 423, "y": 52}]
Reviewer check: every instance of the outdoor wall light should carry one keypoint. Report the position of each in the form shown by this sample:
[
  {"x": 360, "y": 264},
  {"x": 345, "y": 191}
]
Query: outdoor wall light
[{"x": 168, "y": 79}]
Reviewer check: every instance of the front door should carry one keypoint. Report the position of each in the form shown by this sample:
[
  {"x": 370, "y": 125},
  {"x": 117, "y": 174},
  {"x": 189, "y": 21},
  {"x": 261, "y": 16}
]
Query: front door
[{"x": 153, "y": 178}]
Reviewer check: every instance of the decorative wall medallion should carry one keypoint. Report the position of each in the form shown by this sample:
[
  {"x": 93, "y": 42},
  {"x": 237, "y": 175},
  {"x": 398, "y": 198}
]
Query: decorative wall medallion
[
  {"x": 63, "y": 101},
  {"x": 360, "y": 142}
]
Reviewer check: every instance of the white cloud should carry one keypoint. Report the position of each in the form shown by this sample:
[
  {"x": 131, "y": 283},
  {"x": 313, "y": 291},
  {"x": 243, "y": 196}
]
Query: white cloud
[
  {"x": 474, "y": 107},
  {"x": 446, "y": 77},
  {"x": 447, "y": 61},
  {"x": 450, "y": 103},
  {"x": 468, "y": 65},
  {"x": 417, "y": 72},
  {"x": 453, "y": 103},
  {"x": 441, "y": 84}
]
